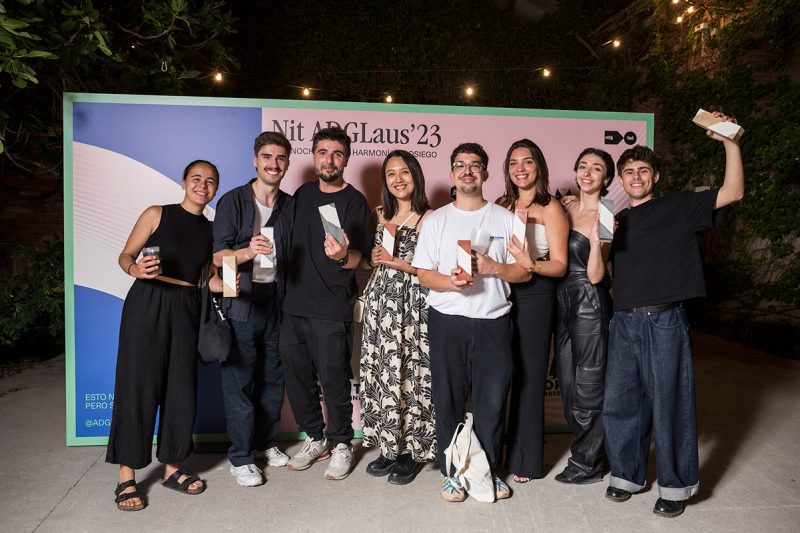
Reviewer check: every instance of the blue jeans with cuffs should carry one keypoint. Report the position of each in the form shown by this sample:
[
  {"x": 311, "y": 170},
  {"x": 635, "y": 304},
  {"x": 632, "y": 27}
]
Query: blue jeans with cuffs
[{"x": 650, "y": 386}]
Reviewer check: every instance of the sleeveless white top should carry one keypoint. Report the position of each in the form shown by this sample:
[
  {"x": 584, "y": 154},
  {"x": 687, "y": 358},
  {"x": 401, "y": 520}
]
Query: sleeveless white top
[{"x": 537, "y": 240}]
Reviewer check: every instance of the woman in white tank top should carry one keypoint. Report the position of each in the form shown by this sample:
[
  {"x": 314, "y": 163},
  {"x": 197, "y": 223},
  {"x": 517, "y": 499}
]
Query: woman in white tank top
[{"x": 545, "y": 256}]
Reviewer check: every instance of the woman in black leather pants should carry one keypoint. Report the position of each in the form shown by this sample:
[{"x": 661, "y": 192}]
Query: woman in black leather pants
[{"x": 584, "y": 310}]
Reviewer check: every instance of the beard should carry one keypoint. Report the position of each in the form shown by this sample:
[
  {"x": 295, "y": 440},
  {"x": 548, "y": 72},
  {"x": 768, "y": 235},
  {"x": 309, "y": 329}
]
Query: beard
[{"x": 330, "y": 178}]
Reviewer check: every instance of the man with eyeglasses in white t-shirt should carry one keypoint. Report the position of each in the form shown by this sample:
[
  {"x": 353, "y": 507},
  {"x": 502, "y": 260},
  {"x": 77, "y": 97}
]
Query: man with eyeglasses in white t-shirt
[{"x": 469, "y": 325}]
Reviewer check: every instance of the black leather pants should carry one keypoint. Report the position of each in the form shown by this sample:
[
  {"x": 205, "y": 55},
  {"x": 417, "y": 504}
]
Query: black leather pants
[{"x": 584, "y": 311}]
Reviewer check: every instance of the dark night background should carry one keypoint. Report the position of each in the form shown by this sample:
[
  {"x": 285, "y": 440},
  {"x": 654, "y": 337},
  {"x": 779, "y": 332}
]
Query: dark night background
[{"x": 741, "y": 57}]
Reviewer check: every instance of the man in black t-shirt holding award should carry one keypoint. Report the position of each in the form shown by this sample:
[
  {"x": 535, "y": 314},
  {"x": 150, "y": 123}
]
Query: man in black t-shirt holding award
[
  {"x": 649, "y": 377},
  {"x": 329, "y": 236}
]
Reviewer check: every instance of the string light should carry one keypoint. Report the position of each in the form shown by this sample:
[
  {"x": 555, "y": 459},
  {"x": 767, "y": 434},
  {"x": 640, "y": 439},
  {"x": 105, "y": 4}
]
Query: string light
[
  {"x": 306, "y": 91},
  {"x": 218, "y": 77},
  {"x": 546, "y": 72},
  {"x": 675, "y": 1},
  {"x": 389, "y": 99},
  {"x": 690, "y": 9},
  {"x": 616, "y": 43},
  {"x": 679, "y": 19},
  {"x": 470, "y": 90}
]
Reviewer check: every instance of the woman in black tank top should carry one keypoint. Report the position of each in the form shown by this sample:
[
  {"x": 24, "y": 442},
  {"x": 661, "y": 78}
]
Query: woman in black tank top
[
  {"x": 584, "y": 309},
  {"x": 157, "y": 357}
]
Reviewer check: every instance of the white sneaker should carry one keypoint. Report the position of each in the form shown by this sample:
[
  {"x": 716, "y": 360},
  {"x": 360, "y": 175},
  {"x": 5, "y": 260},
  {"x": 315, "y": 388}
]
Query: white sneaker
[
  {"x": 311, "y": 452},
  {"x": 247, "y": 475},
  {"x": 274, "y": 457},
  {"x": 341, "y": 462}
]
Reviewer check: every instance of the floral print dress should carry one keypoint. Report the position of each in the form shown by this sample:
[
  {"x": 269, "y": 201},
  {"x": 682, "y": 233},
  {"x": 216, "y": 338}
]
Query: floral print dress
[{"x": 396, "y": 404}]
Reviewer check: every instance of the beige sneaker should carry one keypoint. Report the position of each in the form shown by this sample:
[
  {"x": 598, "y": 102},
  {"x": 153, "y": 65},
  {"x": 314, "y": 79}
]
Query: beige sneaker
[
  {"x": 341, "y": 462},
  {"x": 452, "y": 490},
  {"x": 274, "y": 457},
  {"x": 501, "y": 489},
  {"x": 311, "y": 452}
]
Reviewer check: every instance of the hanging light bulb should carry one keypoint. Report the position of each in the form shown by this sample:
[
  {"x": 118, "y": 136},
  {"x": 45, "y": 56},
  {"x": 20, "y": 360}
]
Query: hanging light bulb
[
  {"x": 470, "y": 91},
  {"x": 615, "y": 43},
  {"x": 218, "y": 77},
  {"x": 306, "y": 91},
  {"x": 389, "y": 99},
  {"x": 690, "y": 9},
  {"x": 546, "y": 72},
  {"x": 679, "y": 19}
]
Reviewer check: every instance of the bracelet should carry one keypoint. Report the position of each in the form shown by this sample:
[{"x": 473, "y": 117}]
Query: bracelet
[
  {"x": 129, "y": 268},
  {"x": 534, "y": 268}
]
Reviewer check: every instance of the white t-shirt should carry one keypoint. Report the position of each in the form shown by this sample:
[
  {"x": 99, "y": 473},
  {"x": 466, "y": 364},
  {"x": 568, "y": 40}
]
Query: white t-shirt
[
  {"x": 262, "y": 275},
  {"x": 437, "y": 249}
]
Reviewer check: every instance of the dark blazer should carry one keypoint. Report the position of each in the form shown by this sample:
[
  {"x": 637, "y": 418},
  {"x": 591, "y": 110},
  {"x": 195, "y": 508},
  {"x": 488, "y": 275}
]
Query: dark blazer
[{"x": 233, "y": 229}]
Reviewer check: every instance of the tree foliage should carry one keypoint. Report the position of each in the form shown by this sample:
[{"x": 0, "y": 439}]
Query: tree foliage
[{"x": 51, "y": 47}]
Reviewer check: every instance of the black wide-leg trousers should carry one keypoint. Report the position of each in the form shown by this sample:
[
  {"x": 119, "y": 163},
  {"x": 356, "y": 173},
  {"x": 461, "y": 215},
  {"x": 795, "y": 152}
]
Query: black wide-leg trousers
[
  {"x": 156, "y": 371},
  {"x": 533, "y": 314}
]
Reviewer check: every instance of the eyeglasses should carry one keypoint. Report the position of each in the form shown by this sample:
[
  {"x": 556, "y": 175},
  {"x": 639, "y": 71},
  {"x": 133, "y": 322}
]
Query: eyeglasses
[{"x": 474, "y": 167}]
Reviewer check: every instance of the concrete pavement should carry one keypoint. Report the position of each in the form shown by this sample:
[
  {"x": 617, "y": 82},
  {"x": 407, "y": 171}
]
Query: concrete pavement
[{"x": 749, "y": 424}]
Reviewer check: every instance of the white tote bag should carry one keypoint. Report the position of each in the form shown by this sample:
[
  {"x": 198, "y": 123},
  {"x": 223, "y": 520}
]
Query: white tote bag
[{"x": 466, "y": 455}]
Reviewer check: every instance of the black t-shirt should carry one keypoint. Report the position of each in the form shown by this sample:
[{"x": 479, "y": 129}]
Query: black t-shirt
[
  {"x": 655, "y": 253},
  {"x": 316, "y": 287}
]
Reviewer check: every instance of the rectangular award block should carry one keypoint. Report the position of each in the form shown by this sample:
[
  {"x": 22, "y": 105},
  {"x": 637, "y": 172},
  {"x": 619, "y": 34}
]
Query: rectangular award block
[
  {"x": 268, "y": 260},
  {"x": 330, "y": 221},
  {"x": 229, "y": 276},
  {"x": 464, "y": 261},
  {"x": 708, "y": 121},
  {"x": 606, "y": 229},
  {"x": 518, "y": 229},
  {"x": 387, "y": 241}
]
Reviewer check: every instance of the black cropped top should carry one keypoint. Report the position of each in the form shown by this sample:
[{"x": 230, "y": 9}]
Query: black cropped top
[{"x": 184, "y": 240}]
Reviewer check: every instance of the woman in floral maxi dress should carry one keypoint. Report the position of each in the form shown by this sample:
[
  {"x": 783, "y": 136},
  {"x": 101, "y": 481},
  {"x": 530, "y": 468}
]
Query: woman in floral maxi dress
[{"x": 396, "y": 405}]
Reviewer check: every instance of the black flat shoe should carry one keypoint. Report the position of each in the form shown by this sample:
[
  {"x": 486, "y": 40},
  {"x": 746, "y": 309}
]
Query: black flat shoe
[
  {"x": 617, "y": 495},
  {"x": 380, "y": 466},
  {"x": 405, "y": 470},
  {"x": 669, "y": 508},
  {"x": 578, "y": 477}
]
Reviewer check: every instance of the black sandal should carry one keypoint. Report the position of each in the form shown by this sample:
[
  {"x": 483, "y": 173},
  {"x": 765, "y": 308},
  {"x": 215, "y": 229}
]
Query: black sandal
[
  {"x": 172, "y": 482},
  {"x": 120, "y": 497}
]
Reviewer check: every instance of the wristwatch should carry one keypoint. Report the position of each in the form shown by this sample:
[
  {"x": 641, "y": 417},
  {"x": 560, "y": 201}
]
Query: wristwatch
[{"x": 343, "y": 261}]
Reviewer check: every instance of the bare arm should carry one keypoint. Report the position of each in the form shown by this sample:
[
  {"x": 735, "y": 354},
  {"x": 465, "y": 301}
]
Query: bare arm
[
  {"x": 396, "y": 262},
  {"x": 557, "y": 228},
  {"x": 259, "y": 244},
  {"x": 513, "y": 273},
  {"x": 437, "y": 281},
  {"x": 145, "y": 226},
  {"x": 732, "y": 189},
  {"x": 598, "y": 254},
  {"x": 337, "y": 251}
]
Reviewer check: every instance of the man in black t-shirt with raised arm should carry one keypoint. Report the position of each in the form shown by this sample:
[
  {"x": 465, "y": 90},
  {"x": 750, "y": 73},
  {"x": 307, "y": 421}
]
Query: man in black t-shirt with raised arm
[
  {"x": 649, "y": 377},
  {"x": 317, "y": 321}
]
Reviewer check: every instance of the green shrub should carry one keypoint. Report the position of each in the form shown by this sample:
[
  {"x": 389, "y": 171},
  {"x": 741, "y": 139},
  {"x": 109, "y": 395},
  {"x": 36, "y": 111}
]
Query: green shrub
[{"x": 32, "y": 303}]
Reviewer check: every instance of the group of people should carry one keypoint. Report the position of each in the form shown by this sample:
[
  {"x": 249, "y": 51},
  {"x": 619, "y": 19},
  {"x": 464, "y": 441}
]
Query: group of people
[{"x": 437, "y": 332}]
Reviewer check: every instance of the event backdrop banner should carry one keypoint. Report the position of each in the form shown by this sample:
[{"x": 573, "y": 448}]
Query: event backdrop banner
[{"x": 123, "y": 153}]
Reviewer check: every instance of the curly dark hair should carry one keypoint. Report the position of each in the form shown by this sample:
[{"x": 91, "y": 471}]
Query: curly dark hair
[{"x": 639, "y": 153}]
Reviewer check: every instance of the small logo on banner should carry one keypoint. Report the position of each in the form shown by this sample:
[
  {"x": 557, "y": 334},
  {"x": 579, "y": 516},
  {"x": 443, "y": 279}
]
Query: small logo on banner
[{"x": 615, "y": 137}]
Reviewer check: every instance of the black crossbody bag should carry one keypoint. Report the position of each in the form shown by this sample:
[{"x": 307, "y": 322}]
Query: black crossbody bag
[{"x": 214, "y": 337}]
